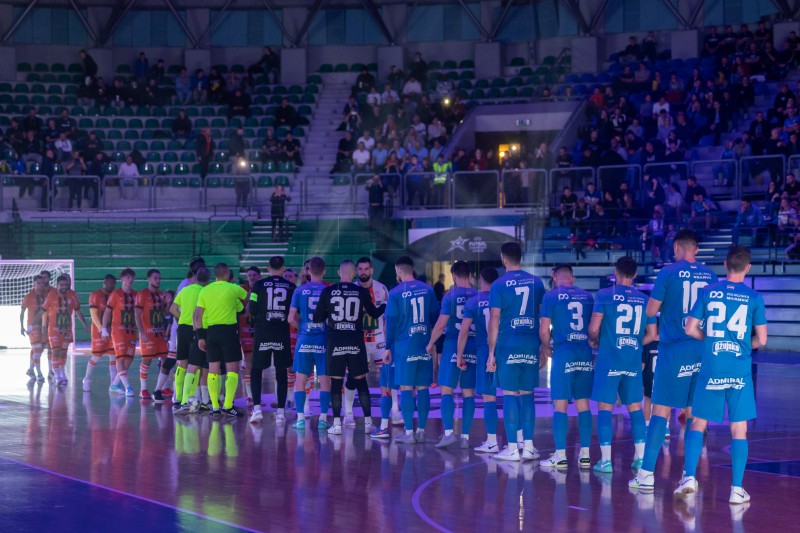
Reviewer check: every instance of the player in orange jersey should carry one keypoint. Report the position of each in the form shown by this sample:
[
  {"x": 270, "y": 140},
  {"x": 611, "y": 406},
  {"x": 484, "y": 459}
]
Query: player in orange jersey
[
  {"x": 100, "y": 345},
  {"x": 58, "y": 308},
  {"x": 246, "y": 332},
  {"x": 149, "y": 313},
  {"x": 171, "y": 359},
  {"x": 119, "y": 323},
  {"x": 32, "y": 303},
  {"x": 45, "y": 341}
]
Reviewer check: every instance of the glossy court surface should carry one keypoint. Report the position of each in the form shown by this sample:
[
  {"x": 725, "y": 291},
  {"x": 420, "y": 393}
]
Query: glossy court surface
[{"x": 74, "y": 461}]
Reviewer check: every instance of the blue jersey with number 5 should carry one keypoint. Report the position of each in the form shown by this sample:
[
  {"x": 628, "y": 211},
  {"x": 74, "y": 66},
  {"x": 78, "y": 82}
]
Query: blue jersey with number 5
[
  {"x": 570, "y": 311},
  {"x": 730, "y": 310},
  {"x": 518, "y": 295},
  {"x": 411, "y": 310},
  {"x": 453, "y": 306},
  {"x": 677, "y": 287},
  {"x": 622, "y": 329},
  {"x": 305, "y": 300},
  {"x": 477, "y": 309}
]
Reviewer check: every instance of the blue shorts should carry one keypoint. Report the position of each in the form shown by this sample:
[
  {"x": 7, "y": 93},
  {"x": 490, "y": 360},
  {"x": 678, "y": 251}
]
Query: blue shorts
[
  {"x": 627, "y": 384},
  {"x": 571, "y": 374},
  {"x": 387, "y": 376},
  {"x": 712, "y": 395},
  {"x": 485, "y": 382},
  {"x": 309, "y": 353},
  {"x": 414, "y": 370},
  {"x": 517, "y": 368},
  {"x": 676, "y": 373},
  {"x": 450, "y": 374}
]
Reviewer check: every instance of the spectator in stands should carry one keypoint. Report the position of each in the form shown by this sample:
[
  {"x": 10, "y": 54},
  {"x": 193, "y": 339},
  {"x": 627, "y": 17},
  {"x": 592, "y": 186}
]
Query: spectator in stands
[
  {"x": 650, "y": 46},
  {"x": 199, "y": 87},
  {"x": 153, "y": 95},
  {"x": 693, "y": 188},
  {"x": 128, "y": 175},
  {"x": 243, "y": 183},
  {"x": 31, "y": 147},
  {"x": 444, "y": 89},
  {"x": 702, "y": 209},
  {"x": 91, "y": 146},
  {"x": 32, "y": 122},
  {"x": 270, "y": 148},
  {"x": 373, "y": 98},
  {"x": 792, "y": 188},
  {"x": 368, "y": 141},
  {"x": 291, "y": 149},
  {"x": 567, "y": 204},
  {"x": 762, "y": 36},
  {"x": 204, "y": 150},
  {"x": 285, "y": 115},
  {"x": 787, "y": 215},
  {"x": 232, "y": 83},
  {"x": 141, "y": 67},
  {"x": 412, "y": 88},
  {"x": 269, "y": 64},
  {"x": 364, "y": 82},
  {"x": 237, "y": 145},
  {"x": 361, "y": 159},
  {"x": 655, "y": 195},
  {"x": 63, "y": 147},
  {"x": 89, "y": 68},
  {"x": 418, "y": 69},
  {"x": 749, "y": 220},
  {"x": 183, "y": 87},
  {"x": 674, "y": 203},
  {"x": 743, "y": 39},
  {"x": 157, "y": 71},
  {"x": 95, "y": 167},
  {"x": 389, "y": 95},
  {"x": 396, "y": 78},
  {"x": 712, "y": 42},
  {"x": 278, "y": 213},
  {"x": 181, "y": 126},
  {"x": 344, "y": 154},
  {"x": 239, "y": 104},
  {"x": 75, "y": 167},
  {"x": 379, "y": 156},
  {"x": 632, "y": 51},
  {"x": 415, "y": 184},
  {"x": 375, "y": 191},
  {"x": 117, "y": 94},
  {"x": 724, "y": 172}
]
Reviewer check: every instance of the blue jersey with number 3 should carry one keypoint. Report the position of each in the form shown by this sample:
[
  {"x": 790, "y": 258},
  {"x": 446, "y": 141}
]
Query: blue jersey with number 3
[
  {"x": 411, "y": 310},
  {"x": 730, "y": 310},
  {"x": 677, "y": 287},
  {"x": 570, "y": 311},
  {"x": 622, "y": 329},
  {"x": 518, "y": 295},
  {"x": 477, "y": 309},
  {"x": 305, "y": 300},
  {"x": 453, "y": 305}
]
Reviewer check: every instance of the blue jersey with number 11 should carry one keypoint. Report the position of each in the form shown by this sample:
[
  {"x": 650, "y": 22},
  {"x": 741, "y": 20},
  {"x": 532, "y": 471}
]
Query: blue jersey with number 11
[
  {"x": 411, "y": 310},
  {"x": 518, "y": 295}
]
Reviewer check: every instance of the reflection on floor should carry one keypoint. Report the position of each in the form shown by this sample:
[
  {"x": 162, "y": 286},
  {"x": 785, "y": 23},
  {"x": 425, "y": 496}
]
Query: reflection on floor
[{"x": 94, "y": 462}]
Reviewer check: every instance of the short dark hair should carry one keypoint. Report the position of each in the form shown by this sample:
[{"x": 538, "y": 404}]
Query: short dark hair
[
  {"x": 62, "y": 277},
  {"x": 404, "y": 260},
  {"x": 512, "y": 251},
  {"x": 203, "y": 275},
  {"x": 46, "y": 273},
  {"x": 255, "y": 269},
  {"x": 460, "y": 269},
  {"x": 127, "y": 272},
  {"x": 364, "y": 259},
  {"x": 276, "y": 262},
  {"x": 153, "y": 271},
  {"x": 316, "y": 265},
  {"x": 221, "y": 270},
  {"x": 686, "y": 237},
  {"x": 738, "y": 258},
  {"x": 195, "y": 263},
  {"x": 563, "y": 267},
  {"x": 626, "y": 266},
  {"x": 107, "y": 276},
  {"x": 489, "y": 275}
]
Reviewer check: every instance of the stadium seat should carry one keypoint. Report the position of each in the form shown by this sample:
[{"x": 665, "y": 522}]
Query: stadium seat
[
  {"x": 229, "y": 183},
  {"x": 163, "y": 169},
  {"x": 33, "y": 76},
  {"x": 188, "y": 157},
  {"x": 110, "y": 169},
  {"x": 131, "y": 134},
  {"x": 153, "y": 157},
  {"x": 179, "y": 182},
  {"x": 340, "y": 180},
  {"x": 123, "y": 69},
  {"x": 265, "y": 181},
  {"x": 181, "y": 169},
  {"x": 24, "y": 67},
  {"x": 315, "y": 79},
  {"x": 466, "y": 63},
  {"x": 221, "y": 156},
  {"x": 213, "y": 182},
  {"x": 269, "y": 167},
  {"x": 146, "y": 169},
  {"x": 357, "y": 67},
  {"x": 282, "y": 180},
  {"x": 341, "y": 67},
  {"x": 327, "y": 68},
  {"x": 286, "y": 166},
  {"x": 216, "y": 168},
  {"x": 75, "y": 67},
  {"x": 114, "y": 135},
  {"x": 449, "y": 64},
  {"x": 171, "y": 157},
  {"x": 517, "y": 61},
  {"x": 195, "y": 183}
]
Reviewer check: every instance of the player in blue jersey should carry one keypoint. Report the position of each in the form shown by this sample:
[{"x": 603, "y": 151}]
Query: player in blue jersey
[
  {"x": 411, "y": 311},
  {"x": 476, "y": 317},
  {"x": 568, "y": 310},
  {"x": 514, "y": 300},
  {"x": 310, "y": 349},
  {"x": 453, "y": 370},
  {"x": 674, "y": 294},
  {"x": 729, "y": 319},
  {"x": 619, "y": 329}
]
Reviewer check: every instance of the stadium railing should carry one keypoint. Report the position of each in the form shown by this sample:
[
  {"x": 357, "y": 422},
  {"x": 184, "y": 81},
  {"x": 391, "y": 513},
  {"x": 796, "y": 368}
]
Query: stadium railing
[
  {"x": 529, "y": 187},
  {"x": 726, "y": 170},
  {"x": 479, "y": 189},
  {"x": 669, "y": 171}
]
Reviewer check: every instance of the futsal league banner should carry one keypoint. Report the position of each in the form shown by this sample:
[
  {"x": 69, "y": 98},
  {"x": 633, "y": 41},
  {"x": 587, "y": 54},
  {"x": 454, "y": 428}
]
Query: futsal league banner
[{"x": 467, "y": 244}]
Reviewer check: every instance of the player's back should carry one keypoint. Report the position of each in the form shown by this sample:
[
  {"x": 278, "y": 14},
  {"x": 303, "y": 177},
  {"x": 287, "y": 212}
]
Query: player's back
[
  {"x": 342, "y": 305},
  {"x": 412, "y": 309},
  {"x": 570, "y": 311},
  {"x": 477, "y": 308},
  {"x": 518, "y": 295},
  {"x": 731, "y": 310},
  {"x": 623, "y": 327},
  {"x": 273, "y": 296},
  {"x": 305, "y": 300},
  {"x": 453, "y": 305},
  {"x": 677, "y": 287}
]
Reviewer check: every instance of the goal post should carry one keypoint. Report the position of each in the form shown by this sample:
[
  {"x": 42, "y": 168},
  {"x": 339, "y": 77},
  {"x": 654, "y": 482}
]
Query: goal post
[{"x": 16, "y": 280}]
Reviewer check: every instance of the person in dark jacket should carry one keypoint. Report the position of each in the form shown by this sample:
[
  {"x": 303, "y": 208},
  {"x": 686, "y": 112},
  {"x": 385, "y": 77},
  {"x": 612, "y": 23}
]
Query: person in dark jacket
[
  {"x": 204, "y": 149},
  {"x": 278, "y": 213}
]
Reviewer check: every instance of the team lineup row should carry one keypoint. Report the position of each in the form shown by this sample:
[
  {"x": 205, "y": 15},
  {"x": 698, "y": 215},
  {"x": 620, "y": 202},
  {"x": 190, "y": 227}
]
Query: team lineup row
[{"x": 494, "y": 338}]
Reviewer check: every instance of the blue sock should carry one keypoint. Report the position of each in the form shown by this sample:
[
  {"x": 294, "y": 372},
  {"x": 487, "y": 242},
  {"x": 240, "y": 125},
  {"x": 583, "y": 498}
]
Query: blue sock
[
  {"x": 300, "y": 400},
  {"x": 693, "y": 448},
  {"x": 739, "y": 449},
  {"x": 560, "y": 422},
  {"x": 448, "y": 411},
  {"x": 604, "y": 428},
  {"x": 324, "y": 401},
  {"x": 655, "y": 437},
  {"x": 386, "y": 406},
  {"x": 527, "y": 413},
  {"x": 423, "y": 406},
  {"x": 637, "y": 426},
  {"x": 407, "y": 407},
  {"x": 689, "y": 424},
  {"x": 467, "y": 415},
  {"x": 490, "y": 417},
  {"x": 585, "y": 428},
  {"x": 511, "y": 418}
]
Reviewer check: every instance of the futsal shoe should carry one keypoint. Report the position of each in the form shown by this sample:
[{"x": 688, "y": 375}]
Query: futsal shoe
[
  {"x": 555, "y": 461},
  {"x": 40, "y": 378},
  {"x": 406, "y": 438},
  {"x": 299, "y": 425},
  {"x": 117, "y": 389},
  {"x": 144, "y": 394},
  {"x": 280, "y": 418},
  {"x": 420, "y": 436},
  {"x": 184, "y": 409},
  {"x": 167, "y": 393},
  {"x": 215, "y": 412},
  {"x": 335, "y": 430},
  {"x": 323, "y": 424},
  {"x": 738, "y": 496},
  {"x": 688, "y": 485},
  {"x": 584, "y": 460},
  {"x": 529, "y": 454},
  {"x": 397, "y": 418},
  {"x": 488, "y": 447},
  {"x": 87, "y": 385},
  {"x": 232, "y": 412},
  {"x": 604, "y": 467},
  {"x": 256, "y": 416},
  {"x": 204, "y": 407},
  {"x": 158, "y": 396},
  {"x": 379, "y": 433},
  {"x": 349, "y": 421},
  {"x": 31, "y": 374},
  {"x": 509, "y": 453},
  {"x": 738, "y": 510},
  {"x": 129, "y": 392},
  {"x": 636, "y": 464},
  {"x": 447, "y": 440},
  {"x": 464, "y": 442},
  {"x": 644, "y": 481}
]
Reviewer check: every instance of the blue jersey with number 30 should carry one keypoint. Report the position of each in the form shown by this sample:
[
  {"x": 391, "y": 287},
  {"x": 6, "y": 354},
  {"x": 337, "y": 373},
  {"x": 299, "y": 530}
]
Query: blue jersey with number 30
[
  {"x": 677, "y": 287},
  {"x": 622, "y": 329},
  {"x": 411, "y": 310},
  {"x": 570, "y": 311},
  {"x": 730, "y": 310},
  {"x": 477, "y": 309},
  {"x": 453, "y": 305},
  {"x": 305, "y": 300}
]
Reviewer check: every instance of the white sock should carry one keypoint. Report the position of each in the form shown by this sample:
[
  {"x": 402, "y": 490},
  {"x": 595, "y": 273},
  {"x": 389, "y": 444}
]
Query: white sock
[
  {"x": 528, "y": 445},
  {"x": 323, "y": 417},
  {"x": 605, "y": 452},
  {"x": 161, "y": 379},
  {"x": 300, "y": 416},
  {"x": 349, "y": 398},
  {"x": 491, "y": 438},
  {"x": 112, "y": 371},
  {"x": 409, "y": 432},
  {"x": 337, "y": 421},
  {"x": 89, "y": 368},
  {"x": 204, "y": 396},
  {"x": 395, "y": 402},
  {"x": 448, "y": 432},
  {"x": 519, "y": 437},
  {"x": 638, "y": 450},
  {"x": 281, "y": 411},
  {"x": 584, "y": 452},
  {"x": 384, "y": 423},
  {"x": 123, "y": 378},
  {"x": 143, "y": 383},
  {"x": 560, "y": 454}
]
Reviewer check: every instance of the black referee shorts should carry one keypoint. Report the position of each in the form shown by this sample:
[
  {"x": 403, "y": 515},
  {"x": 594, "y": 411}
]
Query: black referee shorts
[
  {"x": 197, "y": 357},
  {"x": 185, "y": 338},
  {"x": 351, "y": 358},
  {"x": 222, "y": 344},
  {"x": 269, "y": 350}
]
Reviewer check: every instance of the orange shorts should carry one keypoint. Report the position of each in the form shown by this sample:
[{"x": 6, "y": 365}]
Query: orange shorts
[
  {"x": 154, "y": 347},
  {"x": 101, "y": 346},
  {"x": 35, "y": 336},
  {"x": 59, "y": 339},
  {"x": 124, "y": 345},
  {"x": 247, "y": 344}
]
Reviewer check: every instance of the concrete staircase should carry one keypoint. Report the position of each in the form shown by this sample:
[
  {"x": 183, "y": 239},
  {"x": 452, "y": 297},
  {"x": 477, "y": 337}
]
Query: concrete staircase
[{"x": 259, "y": 246}]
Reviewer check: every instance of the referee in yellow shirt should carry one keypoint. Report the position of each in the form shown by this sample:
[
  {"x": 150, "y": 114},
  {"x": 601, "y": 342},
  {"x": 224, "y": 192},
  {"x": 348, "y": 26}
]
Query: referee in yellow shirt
[
  {"x": 188, "y": 353},
  {"x": 217, "y": 326}
]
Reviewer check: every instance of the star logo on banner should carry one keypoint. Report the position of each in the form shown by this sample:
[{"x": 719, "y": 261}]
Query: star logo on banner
[{"x": 458, "y": 243}]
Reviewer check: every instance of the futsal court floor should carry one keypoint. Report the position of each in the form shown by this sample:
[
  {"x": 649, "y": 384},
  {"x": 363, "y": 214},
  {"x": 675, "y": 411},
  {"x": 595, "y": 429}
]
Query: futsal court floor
[{"x": 74, "y": 461}]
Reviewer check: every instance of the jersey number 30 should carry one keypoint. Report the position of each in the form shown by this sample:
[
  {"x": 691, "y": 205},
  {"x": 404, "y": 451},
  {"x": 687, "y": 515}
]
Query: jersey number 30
[{"x": 345, "y": 309}]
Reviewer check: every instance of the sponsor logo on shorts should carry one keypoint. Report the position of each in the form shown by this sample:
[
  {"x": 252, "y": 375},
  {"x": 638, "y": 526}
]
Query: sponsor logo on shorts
[
  {"x": 311, "y": 348},
  {"x": 276, "y": 315},
  {"x": 314, "y": 326},
  {"x": 627, "y": 373},
  {"x": 346, "y": 350},
  {"x": 469, "y": 358},
  {"x": 270, "y": 346},
  {"x": 578, "y": 366},
  {"x": 522, "y": 322},
  {"x": 413, "y": 330},
  {"x": 345, "y": 326},
  {"x": 726, "y": 346},
  {"x": 725, "y": 383},
  {"x": 419, "y": 357},
  {"x": 687, "y": 371},
  {"x": 521, "y": 358},
  {"x": 627, "y": 342},
  {"x": 577, "y": 337}
]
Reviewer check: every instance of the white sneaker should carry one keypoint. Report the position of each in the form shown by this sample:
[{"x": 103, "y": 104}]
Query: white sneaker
[
  {"x": 256, "y": 416},
  {"x": 644, "y": 481},
  {"x": 87, "y": 385},
  {"x": 509, "y": 453},
  {"x": 738, "y": 496},
  {"x": 280, "y": 418},
  {"x": 554, "y": 461},
  {"x": 349, "y": 421},
  {"x": 397, "y": 418},
  {"x": 688, "y": 485},
  {"x": 368, "y": 427},
  {"x": 486, "y": 447},
  {"x": 529, "y": 454},
  {"x": 307, "y": 410},
  {"x": 335, "y": 430}
]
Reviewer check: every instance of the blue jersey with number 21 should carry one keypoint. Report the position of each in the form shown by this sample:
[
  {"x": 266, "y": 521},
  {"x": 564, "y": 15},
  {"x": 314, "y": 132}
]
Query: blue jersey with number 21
[{"x": 622, "y": 329}]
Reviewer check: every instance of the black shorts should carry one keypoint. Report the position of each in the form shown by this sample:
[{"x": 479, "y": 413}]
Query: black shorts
[
  {"x": 355, "y": 364},
  {"x": 222, "y": 344},
  {"x": 649, "y": 355},
  {"x": 269, "y": 350},
  {"x": 185, "y": 339},
  {"x": 197, "y": 357}
]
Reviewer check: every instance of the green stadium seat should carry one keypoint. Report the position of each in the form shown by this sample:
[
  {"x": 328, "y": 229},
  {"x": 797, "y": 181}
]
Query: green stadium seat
[
  {"x": 195, "y": 183},
  {"x": 341, "y": 67},
  {"x": 517, "y": 61},
  {"x": 372, "y": 67},
  {"x": 466, "y": 63},
  {"x": 238, "y": 69},
  {"x": 229, "y": 183},
  {"x": 222, "y": 156},
  {"x": 147, "y": 169},
  {"x": 549, "y": 61},
  {"x": 122, "y": 148},
  {"x": 477, "y": 93},
  {"x": 55, "y": 99},
  {"x": 467, "y": 75},
  {"x": 110, "y": 169},
  {"x": 308, "y": 99},
  {"x": 188, "y": 157},
  {"x": 124, "y": 69},
  {"x": 269, "y": 167},
  {"x": 265, "y": 181},
  {"x": 125, "y": 112},
  {"x": 213, "y": 182},
  {"x": 179, "y": 182},
  {"x": 102, "y": 123},
  {"x": 153, "y": 157},
  {"x": 37, "y": 100},
  {"x": 510, "y": 92},
  {"x": 75, "y": 67},
  {"x": 254, "y": 169},
  {"x": 233, "y": 122},
  {"x": 498, "y": 82},
  {"x": 140, "y": 146},
  {"x": 494, "y": 92},
  {"x": 152, "y": 124},
  {"x": 298, "y": 132},
  {"x": 216, "y": 168},
  {"x": 131, "y": 134},
  {"x": 109, "y": 111},
  {"x": 171, "y": 157},
  {"x": 38, "y": 88},
  {"x": 181, "y": 169},
  {"x": 114, "y": 135},
  {"x": 58, "y": 67},
  {"x": 54, "y": 89},
  {"x": 315, "y": 79},
  {"x": 196, "y": 168},
  {"x": 24, "y": 67},
  {"x": 340, "y": 180},
  {"x": 33, "y": 76},
  {"x": 64, "y": 78},
  {"x": 163, "y": 169},
  {"x": 323, "y": 68},
  {"x": 282, "y": 180}
]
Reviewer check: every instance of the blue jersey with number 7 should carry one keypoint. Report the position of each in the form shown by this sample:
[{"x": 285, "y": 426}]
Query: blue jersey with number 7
[{"x": 518, "y": 295}]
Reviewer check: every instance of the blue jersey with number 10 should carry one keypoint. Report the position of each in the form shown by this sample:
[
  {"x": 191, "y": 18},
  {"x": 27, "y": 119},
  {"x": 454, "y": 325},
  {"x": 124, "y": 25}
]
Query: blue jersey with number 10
[
  {"x": 570, "y": 311},
  {"x": 622, "y": 329},
  {"x": 411, "y": 310},
  {"x": 305, "y": 300},
  {"x": 477, "y": 309},
  {"x": 453, "y": 305},
  {"x": 518, "y": 295},
  {"x": 677, "y": 287}
]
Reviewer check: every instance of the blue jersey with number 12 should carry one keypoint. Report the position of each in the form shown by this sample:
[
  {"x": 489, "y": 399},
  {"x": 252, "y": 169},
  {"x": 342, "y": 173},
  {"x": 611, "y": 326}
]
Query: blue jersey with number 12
[
  {"x": 477, "y": 309},
  {"x": 411, "y": 310},
  {"x": 622, "y": 329},
  {"x": 677, "y": 287},
  {"x": 305, "y": 300}
]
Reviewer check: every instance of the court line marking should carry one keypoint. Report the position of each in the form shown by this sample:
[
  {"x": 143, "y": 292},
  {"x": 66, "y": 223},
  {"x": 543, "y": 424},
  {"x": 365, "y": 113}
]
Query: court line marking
[
  {"x": 415, "y": 503},
  {"x": 130, "y": 495}
]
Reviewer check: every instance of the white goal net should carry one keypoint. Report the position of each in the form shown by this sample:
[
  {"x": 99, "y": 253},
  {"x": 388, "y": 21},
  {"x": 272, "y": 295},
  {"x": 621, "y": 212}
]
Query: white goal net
[{"x": 16, "y": 280}]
